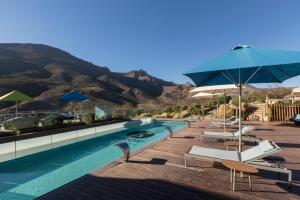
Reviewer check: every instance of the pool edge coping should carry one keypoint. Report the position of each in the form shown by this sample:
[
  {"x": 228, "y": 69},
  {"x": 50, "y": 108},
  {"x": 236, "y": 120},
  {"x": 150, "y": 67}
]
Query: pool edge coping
[{"x": 49, "y": 195}]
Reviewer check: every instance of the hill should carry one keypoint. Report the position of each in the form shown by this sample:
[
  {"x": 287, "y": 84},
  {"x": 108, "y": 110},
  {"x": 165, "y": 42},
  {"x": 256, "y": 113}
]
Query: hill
[{"x": 45, "y": 73}]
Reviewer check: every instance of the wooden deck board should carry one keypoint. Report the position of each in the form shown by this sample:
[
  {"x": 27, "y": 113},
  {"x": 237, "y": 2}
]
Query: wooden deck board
[{"x": 159, "y": 172}]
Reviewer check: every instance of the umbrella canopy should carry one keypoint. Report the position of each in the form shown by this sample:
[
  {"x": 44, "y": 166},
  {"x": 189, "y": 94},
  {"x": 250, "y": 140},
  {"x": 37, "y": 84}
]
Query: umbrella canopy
[
  {"x": 206, "y": 94},
  {"x": 73, "y": 96},
  {"x": 243, "y": 64},
  {"x": 296, "y": 92},
  {"x": 15, "y": 96},
  {"x": 229, "y": 88}
]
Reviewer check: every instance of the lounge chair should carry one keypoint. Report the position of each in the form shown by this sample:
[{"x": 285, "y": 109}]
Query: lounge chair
[
  {"x": 297, "y": 120},
  {"x": 246, "y": 130},
  {"x": 232, "y": 118},
  {"x": 221, "y": 124},
  {"x": 252, "y": 156}
]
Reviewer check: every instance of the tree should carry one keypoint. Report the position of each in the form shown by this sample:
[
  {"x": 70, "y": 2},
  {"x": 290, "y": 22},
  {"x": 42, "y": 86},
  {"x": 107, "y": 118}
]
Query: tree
[
  {"x": 176, "y": 108},
  {"x": 168, "y": 109},
  {"x": 221, "y": 99},
  {"x": 235, "y": 100}
]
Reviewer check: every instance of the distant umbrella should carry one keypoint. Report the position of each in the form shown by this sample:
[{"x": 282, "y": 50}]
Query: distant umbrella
[
  {"x": 15, "y": 96},
  {"x": 73, "y": 96},
  {"x": 206, "y": 94}
]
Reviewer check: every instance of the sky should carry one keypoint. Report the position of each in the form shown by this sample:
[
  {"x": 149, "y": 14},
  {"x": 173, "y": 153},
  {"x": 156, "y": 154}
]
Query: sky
[{"x": 164, "y": 37}]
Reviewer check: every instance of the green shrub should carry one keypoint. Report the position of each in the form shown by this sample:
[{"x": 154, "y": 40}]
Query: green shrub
[
  {"x": 269, "y": 113},
  {"x": 49, "y": 120},
  {"x": 209, "y": 104},
  {"x": 221, "y": 99},
  {"x": 261, "y": 99},
  {"x": 184, "y": 108},
  {"x": 176, "y": 108},
  {"x": 168, "y": 109},
  {"x": 235, "y": 100},
  {"x": 19, "y": 123},
  {"x": 88, "y": 118},
  {"x": 135, "y": 112},
  {"x": 196, "y": 109},
  {"x": 297, "y": 102},
  {"x": 246, "y": 109},
  {"x": 185, "y": 113}
]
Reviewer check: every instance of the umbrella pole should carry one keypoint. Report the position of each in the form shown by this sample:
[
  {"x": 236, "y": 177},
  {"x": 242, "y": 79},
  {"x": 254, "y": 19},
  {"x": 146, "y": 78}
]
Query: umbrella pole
[
  {"x": 218, "y": 112},
  {"x": 240, "y": 112},
  {"x": 240, "y": 118},
  {"x": 224, "y": 111},
  {"x": 16, "y": 108}
]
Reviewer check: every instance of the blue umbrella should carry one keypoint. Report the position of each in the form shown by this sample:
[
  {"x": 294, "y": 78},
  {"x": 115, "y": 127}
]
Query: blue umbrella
[
  {"x": 73, "y": 96},
  {"x": 243, "y": 65}
]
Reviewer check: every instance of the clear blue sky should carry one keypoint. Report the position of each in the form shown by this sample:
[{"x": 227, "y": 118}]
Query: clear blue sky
[{"x": 164, "y": 37}]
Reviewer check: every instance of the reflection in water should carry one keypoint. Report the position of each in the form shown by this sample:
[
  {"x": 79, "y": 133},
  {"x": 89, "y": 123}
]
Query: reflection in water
[{"x": 139, "y": 134}]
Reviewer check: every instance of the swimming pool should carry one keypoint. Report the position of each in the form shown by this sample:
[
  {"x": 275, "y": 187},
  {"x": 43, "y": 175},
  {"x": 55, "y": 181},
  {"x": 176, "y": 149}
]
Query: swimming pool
[{"x": 32, "y": 176}]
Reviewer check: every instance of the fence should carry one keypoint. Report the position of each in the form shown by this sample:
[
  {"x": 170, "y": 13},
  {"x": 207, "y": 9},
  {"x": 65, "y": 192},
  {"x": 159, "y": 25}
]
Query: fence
[
  {"x": 38, "y": 114},
  {"x": 116, "y": 112},
  {"x": 16, "y": 147},
  {"x": 283, "y": 113}
]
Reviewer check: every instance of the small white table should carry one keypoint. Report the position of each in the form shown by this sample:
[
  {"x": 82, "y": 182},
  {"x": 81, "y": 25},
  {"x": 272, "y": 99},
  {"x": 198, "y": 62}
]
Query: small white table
[{"x": 240, "y": 167}]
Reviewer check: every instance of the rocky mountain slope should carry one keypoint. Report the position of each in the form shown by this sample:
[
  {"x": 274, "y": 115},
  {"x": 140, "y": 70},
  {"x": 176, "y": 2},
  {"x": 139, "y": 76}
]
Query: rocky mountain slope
[{"x": 46, "y": 73}]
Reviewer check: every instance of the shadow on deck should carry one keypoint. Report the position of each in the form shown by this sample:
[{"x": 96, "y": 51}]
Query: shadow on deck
[{"x": 133, "y": 189}]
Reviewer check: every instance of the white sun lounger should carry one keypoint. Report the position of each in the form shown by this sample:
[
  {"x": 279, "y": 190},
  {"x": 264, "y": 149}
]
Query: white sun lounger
[
  {"x": 221, "y": 124},
  {"x": 222, "y": 120},
  {"x": 250, "y": 156},
  {"x": 246, "y": 130}
]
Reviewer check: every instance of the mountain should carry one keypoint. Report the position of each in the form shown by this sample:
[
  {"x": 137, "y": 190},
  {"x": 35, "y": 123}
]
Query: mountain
[{"x": 46, "y": 73}]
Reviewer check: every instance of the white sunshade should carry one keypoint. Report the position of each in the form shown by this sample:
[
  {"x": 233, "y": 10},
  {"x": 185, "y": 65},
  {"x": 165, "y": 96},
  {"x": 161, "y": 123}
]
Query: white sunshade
[
  {"x": 205, "y": 94},
  {"x": 296, "y": 90},
  {"x": 218, "y": 88}
]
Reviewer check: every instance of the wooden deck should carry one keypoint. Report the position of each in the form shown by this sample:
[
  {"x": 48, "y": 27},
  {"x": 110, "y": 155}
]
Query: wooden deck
[{"x": 159, "y": 173}]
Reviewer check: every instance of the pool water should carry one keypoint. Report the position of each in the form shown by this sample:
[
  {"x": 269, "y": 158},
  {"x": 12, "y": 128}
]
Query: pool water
[{"x": 37, "y": 174}]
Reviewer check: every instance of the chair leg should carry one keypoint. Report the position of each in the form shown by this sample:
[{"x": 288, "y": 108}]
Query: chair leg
[
  {"x": 250, "y": 183},
  {"x": 290, "y": 180},
  {"x": 278, "y": 166},
  {"x": 233, "y": 184}
]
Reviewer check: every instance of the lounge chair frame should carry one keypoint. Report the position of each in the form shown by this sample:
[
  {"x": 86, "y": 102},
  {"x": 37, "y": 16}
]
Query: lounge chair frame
[
  {"x": 219, "y": 124},
  {"x": 250, "y": 137},
  {"x": 280, "y": 168}
]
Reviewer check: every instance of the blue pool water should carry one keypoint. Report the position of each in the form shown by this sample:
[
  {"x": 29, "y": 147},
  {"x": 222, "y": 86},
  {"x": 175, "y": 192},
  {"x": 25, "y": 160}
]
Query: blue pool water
[{"x": 37, "y": 174}]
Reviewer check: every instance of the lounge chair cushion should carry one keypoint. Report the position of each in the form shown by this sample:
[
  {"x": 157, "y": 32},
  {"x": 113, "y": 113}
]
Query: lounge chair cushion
[
  {"x": 235, "y": 122},
  {"x": 261, "y": 149},
  {"x": 266, "y": 146},
  {"x": 297, "y": 118},
  {"x": 245, "y": 130},
  {"x": 213, "y": 133},
  {"x": 230, "y": 123},
  {"x": 215, "y": 153}
]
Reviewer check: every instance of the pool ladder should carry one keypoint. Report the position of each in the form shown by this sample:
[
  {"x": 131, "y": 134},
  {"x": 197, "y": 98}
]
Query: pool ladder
[
  {"x": 171, "y": 133},
  {"x": 124, "y": 146}
]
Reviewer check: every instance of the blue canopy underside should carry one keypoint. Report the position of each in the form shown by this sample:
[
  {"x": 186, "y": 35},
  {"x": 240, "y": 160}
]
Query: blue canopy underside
[
  {"x": 73, "y": 96},
  {"x": 271, "y": 66},
  {"x": 271, "y": 74}
]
